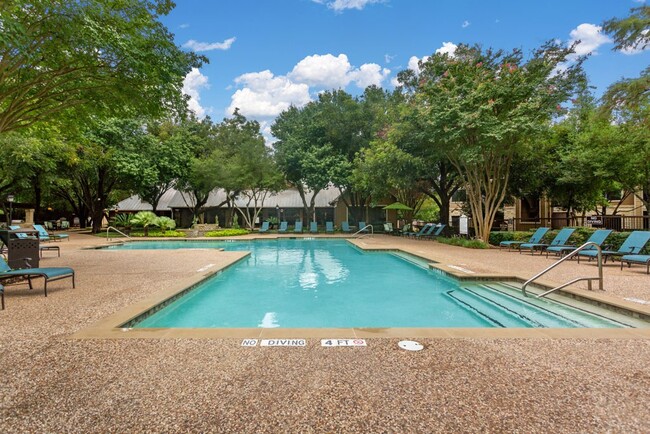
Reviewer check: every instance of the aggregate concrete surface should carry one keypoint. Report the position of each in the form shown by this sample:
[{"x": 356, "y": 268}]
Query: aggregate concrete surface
[{"x": 50, "y": 382}]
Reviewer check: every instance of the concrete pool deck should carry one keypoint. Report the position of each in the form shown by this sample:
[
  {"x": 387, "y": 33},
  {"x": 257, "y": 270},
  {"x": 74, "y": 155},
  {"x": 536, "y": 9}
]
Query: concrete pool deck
[{"x": 53, "y": 382}]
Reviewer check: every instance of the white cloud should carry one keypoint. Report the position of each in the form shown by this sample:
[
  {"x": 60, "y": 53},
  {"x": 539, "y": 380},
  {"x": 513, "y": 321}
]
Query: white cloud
[
  {"x": 388, "y": 58},
  {"x": 447, "y": 48},
  {"x": 414, "y": 63},
  {"x": 590, "y": 39},
  {"x": 465, "y": 24},
  {"x": 184, "y": 26},
  {"x": 265, "y": 95},
  {"x": 209, "y": 46},
  {"x": 340, "y": 5},
  {"x": 328, "y": 71},
  {"x": 195, "y": 81},
  {"x": 322, "y": 70}
]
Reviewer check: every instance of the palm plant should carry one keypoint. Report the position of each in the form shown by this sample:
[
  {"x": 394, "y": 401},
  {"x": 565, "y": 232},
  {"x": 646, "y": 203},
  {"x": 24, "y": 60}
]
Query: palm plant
[
  {"x": 145, "y": 219},
  {"x": 166, "y": 224}
]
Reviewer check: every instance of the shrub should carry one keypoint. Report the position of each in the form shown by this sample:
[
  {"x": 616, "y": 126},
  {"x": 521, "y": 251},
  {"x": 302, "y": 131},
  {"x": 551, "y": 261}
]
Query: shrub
[
  {"x": 144, "y": 219},
  {"x": 166, "y": 224},
  {"x": 227, "y": 233},
  {"x": 462, "y": 242},
  {"x": 158, "y": 233},
  {"x": 122, "y": 221}
]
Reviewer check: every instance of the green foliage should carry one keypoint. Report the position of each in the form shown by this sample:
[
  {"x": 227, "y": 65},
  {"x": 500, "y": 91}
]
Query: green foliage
[
  {"x": 165, "y": 223},
  {"x": 144, "y": 219},
  {"x": 429, "y": 211},
  {"x": 122, "y": 220},
  {"x": 463, "y": 242},
  {"x": 227, "y": 233},
  {"x": 630, "y": 33},
  {"x": 159, "y": 233},
  {"x": 87, "y": 58}
]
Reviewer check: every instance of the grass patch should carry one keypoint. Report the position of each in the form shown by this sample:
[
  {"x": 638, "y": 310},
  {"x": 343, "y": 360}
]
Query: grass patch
[
  {"x": 227, "y": 233},
  {"x": 463, "y": 242}
]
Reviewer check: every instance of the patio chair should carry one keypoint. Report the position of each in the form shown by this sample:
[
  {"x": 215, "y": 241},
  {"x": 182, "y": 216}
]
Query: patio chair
[
  {"x": 414, "y": 233},
  {"x": 436, "y": 232},
  {"x": 313, "y": 227},
  {"x": 425, "y": 231},
  {"x": 560, "y": 240},
  {"x": 636, "y": 259},
  {"x": 265, "y": 228},
  {"x": 43, "y": 235},
  {"x": 41, "y": 248},
  {"x": 49, "y": 274},
  {"x": 633, "y": 244},
  {"x": 535, "y": 238},
  {"x": 2, "y": 296},
  {"x": 597, "y": 237},
  {"x": 329, "y": 227},
  {"x": 362, "y": 226},
  {"x": 297, "y": 227},
  {"x": 65, "y": 225},
  {"x": 345, "y": 227},
  {"x": 283, "y": 227}
]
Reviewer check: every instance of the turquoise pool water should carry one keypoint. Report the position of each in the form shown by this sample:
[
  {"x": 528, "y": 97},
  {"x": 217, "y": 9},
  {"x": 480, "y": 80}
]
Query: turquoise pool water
[{"x": 312, "y": 283}]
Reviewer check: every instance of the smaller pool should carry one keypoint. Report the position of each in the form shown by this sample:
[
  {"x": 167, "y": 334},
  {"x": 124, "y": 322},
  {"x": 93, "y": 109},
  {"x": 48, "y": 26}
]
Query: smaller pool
[{"x": 312, "y": 283}]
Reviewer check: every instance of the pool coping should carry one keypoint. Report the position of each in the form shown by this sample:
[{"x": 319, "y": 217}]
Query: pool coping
[{"x": 111, "y": 327}]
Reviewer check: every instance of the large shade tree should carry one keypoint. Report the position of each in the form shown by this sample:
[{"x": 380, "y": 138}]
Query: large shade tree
[
  {"x": 81, "y": 57},
  {"x": 486, "y": 106}
]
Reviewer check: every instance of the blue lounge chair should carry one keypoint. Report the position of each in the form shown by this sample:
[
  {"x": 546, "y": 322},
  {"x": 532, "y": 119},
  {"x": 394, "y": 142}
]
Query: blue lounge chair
[
  {"x": 298, "y": 227},
  {"x": 632, "y": 245},
  {"x": 597, "y": 237},
  {"x": 43, "y": 235},
  {"x": 265, "y": 228},
  {"x": 49, "y": 274},
  {"x": 436, "y": 232},
  {"x": 345, "y": 227},
  {"x": 283, "y": 227},
  {"x": 425, "y": 231},
  {"x": 536, "y": 238},
  {"x": 560, "y": 240},
  {"x": 329, "y": 227},
  {"x": 636, "y": 259},
  {"x": 2, "y": 296},
  {"x": 313, "y": 227},
  {"x": 426, "y": 227},
  {"x": 362, "y": 225}
]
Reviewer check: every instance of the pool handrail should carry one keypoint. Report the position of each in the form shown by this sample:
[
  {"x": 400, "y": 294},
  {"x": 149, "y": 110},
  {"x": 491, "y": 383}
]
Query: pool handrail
[
  {"x": 363, "y": 229},
  {"x": 116, "y": 230},
  {"x": 569, "y": 256}
]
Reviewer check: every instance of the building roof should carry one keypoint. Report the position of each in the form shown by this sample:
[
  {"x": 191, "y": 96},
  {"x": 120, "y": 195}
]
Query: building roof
[{"x": 289, "y": 198}]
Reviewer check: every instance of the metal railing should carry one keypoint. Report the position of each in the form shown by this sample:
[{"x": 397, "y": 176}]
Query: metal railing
[
  {"x": 363, "y": 229},
  {"x": 599, "y": 256},
  {"x": 116, "y": 230}
]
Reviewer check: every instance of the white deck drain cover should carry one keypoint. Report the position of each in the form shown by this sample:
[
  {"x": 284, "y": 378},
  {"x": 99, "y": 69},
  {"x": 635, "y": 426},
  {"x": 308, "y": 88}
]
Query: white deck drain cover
[{"x": 410, "y": 345}]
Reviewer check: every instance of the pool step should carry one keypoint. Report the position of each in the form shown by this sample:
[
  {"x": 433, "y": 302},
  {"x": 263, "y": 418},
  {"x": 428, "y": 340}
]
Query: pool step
[{"x": 486, "y": 309}]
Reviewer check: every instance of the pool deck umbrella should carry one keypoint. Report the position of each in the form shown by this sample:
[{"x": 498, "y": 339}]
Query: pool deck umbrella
[{"x": 398, "y": 206}]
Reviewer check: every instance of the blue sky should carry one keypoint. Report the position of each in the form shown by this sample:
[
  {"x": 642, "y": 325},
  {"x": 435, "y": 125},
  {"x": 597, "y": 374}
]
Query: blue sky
[{"x": 267, "y": 54}]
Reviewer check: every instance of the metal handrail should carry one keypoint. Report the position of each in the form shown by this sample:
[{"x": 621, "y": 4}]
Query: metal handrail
[
  {"x": 567, "y": 257},
  {"x": 363, "y": 229},
  {"x": 116, "y": 230}
]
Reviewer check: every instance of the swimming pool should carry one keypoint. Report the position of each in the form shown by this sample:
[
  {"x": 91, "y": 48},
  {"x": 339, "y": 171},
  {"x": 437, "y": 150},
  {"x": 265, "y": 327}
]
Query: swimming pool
[{"x": 316, "y": 283}]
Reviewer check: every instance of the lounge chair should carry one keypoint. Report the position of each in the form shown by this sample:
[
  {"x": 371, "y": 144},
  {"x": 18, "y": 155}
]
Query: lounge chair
[
  {"x": 41, "y": 248},
  {"x": 2, "y": 296},
  {"x": 329, "y": 227},
  {"x": 362, "y": 227},
  {"x": 597, "y": 237},
  {"x": 425, "y": 231},
  {"x": 560, "y": 240},
  {"x": 43, "y": 235},
  {"x": 536, "y": 238},
  {"x": 313, "y": 227},
  {"x": 265, "y": 228},
  {"x": 437, "y": 231},
  {"x": 426, "y": 227},
  {"x": 50, "y": 274},
  {"x": 632, "y": 245},
  {"x": 283, "y": 227},
  {"x": 636, "y": 259},
  {"x": 388, "y": 228},
  {"x": 345, "y": 227},
  {"x": 298, "y": 227}
]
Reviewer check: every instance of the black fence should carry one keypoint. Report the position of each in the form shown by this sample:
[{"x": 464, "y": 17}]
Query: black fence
[{"x": 616, "y": 222}]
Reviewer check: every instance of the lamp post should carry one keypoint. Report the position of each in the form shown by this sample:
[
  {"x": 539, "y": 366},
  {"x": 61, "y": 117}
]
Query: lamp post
[
  {"x": 277, "y": 211},
  {"x": 10, "y": 199}
]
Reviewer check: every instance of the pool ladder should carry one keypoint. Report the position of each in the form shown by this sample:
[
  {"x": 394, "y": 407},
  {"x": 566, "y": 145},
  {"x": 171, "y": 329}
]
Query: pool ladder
[
  {"x": 364, "y": 229},
  {"x": 599, "y": 257}
]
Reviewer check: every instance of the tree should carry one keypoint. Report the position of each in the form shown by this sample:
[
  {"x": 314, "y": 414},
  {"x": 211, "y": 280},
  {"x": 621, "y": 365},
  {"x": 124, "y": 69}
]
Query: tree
[
  {"x": 630, "y": 33},
  {"x": 87, "y": 57},
  {"x": 484, "y": 107}
]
